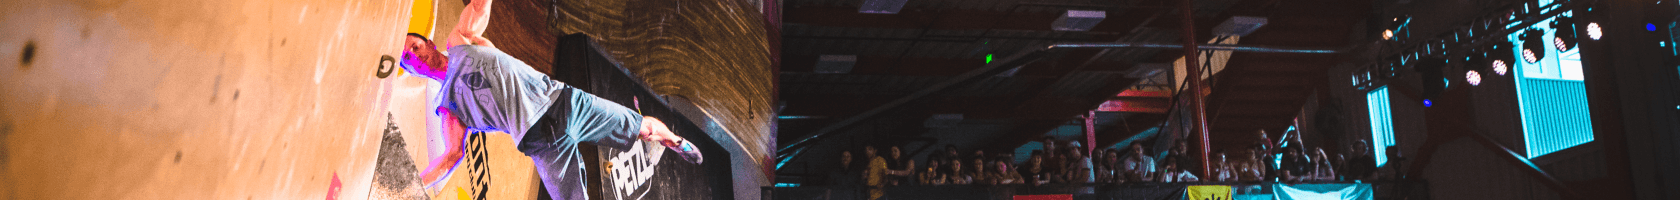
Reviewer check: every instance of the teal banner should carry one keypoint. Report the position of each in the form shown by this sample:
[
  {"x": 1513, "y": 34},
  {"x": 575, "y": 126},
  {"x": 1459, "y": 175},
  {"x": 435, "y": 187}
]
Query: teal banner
[{"x": 1347, "y": 191}]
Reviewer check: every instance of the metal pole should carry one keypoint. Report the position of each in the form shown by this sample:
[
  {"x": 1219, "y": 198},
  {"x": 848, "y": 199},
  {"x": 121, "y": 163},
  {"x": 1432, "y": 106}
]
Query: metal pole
[
  {"x": 1194, "y": 76},
  {"x": 1091, "y": 132}
]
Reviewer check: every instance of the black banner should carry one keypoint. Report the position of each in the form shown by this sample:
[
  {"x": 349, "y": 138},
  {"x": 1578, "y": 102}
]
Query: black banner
[
  {"x": 646, "y": 171},
  {"x": 1163, "y": 192}
]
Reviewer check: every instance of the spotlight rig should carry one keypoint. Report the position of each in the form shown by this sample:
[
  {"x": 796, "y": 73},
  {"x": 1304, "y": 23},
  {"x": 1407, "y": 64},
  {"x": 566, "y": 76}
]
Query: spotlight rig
[
  {"x": 1564, "y": 39},
  {"x": 1533, "y": 47},
  {"x": 1501, "y": 57}
]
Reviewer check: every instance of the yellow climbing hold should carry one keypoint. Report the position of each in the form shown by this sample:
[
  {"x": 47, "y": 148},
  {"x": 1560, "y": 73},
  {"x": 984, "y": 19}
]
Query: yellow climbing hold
[{"x": 461, "y": 194}]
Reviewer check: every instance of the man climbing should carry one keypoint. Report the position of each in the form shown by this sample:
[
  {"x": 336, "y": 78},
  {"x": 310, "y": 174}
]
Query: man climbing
[{"x": 486, "y": 90}]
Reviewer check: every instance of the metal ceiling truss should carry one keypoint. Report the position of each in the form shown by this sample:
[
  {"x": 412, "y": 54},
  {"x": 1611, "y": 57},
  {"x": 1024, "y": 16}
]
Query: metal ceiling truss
[{"x": 1480, "y": 32}]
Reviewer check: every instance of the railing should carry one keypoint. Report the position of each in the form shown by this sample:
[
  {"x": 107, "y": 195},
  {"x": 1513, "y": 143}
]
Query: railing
[{"x": 1252, "y": 190}]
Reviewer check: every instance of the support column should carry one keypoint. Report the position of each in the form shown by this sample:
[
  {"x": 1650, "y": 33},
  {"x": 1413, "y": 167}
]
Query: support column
[
  {"x": 1091, "y": 132},
  {"x": 1193, "y": 75}
]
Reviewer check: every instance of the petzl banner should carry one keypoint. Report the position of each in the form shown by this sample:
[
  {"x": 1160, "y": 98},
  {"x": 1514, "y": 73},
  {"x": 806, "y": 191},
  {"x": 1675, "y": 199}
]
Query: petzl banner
[
  {"x": 642, "y": 171},
  {"x": 1323, "y": 191},
  {"x": 1208, "y": 192}
]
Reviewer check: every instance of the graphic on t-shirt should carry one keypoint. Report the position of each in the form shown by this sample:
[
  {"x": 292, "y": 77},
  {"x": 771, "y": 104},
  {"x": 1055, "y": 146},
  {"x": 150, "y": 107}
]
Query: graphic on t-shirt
[{"x": 475, "y": 81}]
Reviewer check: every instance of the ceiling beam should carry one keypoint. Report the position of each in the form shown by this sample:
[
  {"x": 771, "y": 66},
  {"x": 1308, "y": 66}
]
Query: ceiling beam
[
  {"x": 921, "y": 66},
  {"x": 794, "y": 149},
  {"x": 1115, "y": 24}
]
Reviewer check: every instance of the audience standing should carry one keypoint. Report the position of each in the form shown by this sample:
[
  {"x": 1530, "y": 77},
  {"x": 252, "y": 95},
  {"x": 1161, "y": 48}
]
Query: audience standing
[
  {"x": 875, "y": 176},
  {"x": 844, "y": 177},
  {"x": 1252, "y": 168},
  {"x": 1288, "y": 160},
  {"x": 1033, "y": 171},
  {"x": 1171, "y": 173},
  {"x": 1362, "y": 166},
  {"x": 906, "y": 168},
  {"x": 1079, "y": 168},
  {"x": 1222, "y": 170},
  {"x": 1322, "y": 170},
  {"x": 1112, "y": 172},
  {"x": 957, "y": 175},
  {"x": 978, "y": 170},
  {"x": 1138, "y": 167},
  {"x": 1001, "y": 175},
  {"x": 932, "y": 175},
  {"x": 1055, "y": 162}
]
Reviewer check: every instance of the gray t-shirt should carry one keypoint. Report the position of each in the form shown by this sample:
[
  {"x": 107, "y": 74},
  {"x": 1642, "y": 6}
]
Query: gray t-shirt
[{"x": 488, "y": 90}]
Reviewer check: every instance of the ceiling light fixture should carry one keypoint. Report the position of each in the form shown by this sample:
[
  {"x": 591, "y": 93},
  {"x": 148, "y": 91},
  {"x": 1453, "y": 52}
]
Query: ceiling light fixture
[
  {"x": 1473, "y": 77},
  {"x": 1593, "y": 31}
]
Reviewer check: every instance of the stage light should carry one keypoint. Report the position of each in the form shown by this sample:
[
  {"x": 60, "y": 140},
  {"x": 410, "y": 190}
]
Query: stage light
[
  {"x": 1499, "y": 67},
  {"x": 1532, "y": 47},
  {"x": 1528, "y": 55},
  {"x": 1395, "y": 27},
  {"x": 1477, "y": 63},
  {"x": 1650, "y": 27},
  {"x": 1593, "y": 31},
  {"x": 1564, "y": 37},
  {"x": 1501, "y": 57},
  {"x": 1426, "y": 103},
  {"x": 1473, "y": 77}
]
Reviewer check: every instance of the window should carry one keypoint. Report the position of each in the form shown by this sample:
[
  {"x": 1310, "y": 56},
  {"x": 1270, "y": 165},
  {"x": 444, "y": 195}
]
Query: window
[
  {"x": 1382, "y": 123},
  {"x": 1551, "y": 92}
]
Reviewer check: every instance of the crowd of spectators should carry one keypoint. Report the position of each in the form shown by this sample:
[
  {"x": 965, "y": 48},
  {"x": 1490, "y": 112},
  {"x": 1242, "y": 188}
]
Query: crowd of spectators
[{"x": 1065, "y": 162}]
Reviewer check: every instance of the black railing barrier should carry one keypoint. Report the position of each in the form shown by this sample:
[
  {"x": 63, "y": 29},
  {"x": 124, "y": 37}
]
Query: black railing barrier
[{"x": 1417, "y": 190}]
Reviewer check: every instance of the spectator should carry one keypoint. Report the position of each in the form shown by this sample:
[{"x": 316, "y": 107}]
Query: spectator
[
  {"x": 1171, "y": 173},
  {"x": 1097, "y": 156},
  {"x": 876, "y": 175},
  {"x": 1007, "y": 158},
  {"x": 1267, "y": 160},
  {"x": 1295, "y": 165},
  {"x": 977, "y": 171},
  {"x": 1098, "y": 167},
  {"x": 1222, "y": 170},
  {"x": 956, "y": 175},
  {"x": 1079, "y": 168},
  {"x": 1362, "y": 166},
  {"x": 951, "y": 152},
  {"x": 1138, "y": 167},
  {"x": 1264, "y": 142},
  {"x": 897, "y": 162},
  {"x": 844, "y": 178},
  {"x": 1114, "y": 173},
  {"x": 1340, "y": 163},
  {"x": 1033, "y": 171},
  {"x": 1054, "y": 162},
  {"x": 845, "y": 174},
  {"x": 1252, "y": 169},
  {"x": 1101, "y": 171},
  {"x": 932, "y": 175},
  {"x": 1322, "y": 170},
  {"x": 1001, "y": 175},
  {"x": 1180, "y": 152}
]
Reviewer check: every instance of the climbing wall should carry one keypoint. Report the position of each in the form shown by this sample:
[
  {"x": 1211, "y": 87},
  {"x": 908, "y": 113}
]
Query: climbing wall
[{"x": 203, "y": 99}]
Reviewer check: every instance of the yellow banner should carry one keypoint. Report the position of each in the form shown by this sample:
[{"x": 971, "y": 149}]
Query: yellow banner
[{"x": 1208, "y": 192}]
